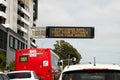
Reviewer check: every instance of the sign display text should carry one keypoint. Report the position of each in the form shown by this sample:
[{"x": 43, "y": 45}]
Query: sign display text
[{"x": 70, "y": 32}]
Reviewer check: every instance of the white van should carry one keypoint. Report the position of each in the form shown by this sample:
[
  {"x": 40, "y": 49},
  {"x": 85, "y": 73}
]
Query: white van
[
  {"x": 91, "y": 72},
  {"x": 22, "y": 75}
]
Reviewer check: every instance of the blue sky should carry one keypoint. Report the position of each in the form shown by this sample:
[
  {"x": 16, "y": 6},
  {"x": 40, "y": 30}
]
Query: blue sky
[{"x": 104, "y": 15}]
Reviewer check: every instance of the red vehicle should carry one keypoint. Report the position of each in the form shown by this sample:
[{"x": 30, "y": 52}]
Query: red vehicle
[{"x": 41, "y": 60}]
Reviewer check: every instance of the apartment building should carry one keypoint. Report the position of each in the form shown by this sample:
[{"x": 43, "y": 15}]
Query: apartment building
[{"x": 17, "y": 18}]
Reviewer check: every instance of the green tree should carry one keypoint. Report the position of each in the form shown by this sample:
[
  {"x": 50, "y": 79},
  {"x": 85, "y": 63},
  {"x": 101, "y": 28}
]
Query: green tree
[
  {"x": 2, "y": 61},
  {"x": 11, "y": 66},
  {"x": 65, "y": 50}
]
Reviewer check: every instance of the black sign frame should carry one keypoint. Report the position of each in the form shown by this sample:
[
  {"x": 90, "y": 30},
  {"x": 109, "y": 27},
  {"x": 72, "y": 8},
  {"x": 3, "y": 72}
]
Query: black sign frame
[{"x": 69, "y": 32}]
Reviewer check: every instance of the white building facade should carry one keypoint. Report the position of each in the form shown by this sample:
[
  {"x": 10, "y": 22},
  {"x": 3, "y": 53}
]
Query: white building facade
[{"x": 17, "y": 17}]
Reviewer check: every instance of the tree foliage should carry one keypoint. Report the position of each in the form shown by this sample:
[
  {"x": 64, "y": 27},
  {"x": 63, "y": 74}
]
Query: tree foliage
[
  {"x": 11, "y": 66},
  {"x": 65, "y": 50},
  {"x": 2, "y": 61}
]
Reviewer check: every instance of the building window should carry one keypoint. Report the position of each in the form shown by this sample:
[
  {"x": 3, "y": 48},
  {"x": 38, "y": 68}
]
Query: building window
[
  {"x": 19, "y": 45},
  {"x": 20, "y": 33},
  {"x": 2, "y": 20},
  {"x": 2, "y": 8},
  {"x": 11, "y": 41},
  {"x": 3, "y": 40},
  {"x": 26, "y": 17},
  {"x": 16, "y": 44},
  {"x": 21, "y": 14},
  {"x": 26, "y": 8}
]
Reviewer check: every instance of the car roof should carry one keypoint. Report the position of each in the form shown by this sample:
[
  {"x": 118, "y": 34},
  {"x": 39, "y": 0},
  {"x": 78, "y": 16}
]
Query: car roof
[
  {"x": 20, "y": 71},
  {"x": 91, "y": 67},
  {"x": 1, "y": 72}
]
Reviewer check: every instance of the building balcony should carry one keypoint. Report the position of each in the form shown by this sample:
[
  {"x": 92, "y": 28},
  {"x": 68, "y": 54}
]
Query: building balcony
[
  {"x": 22, "y": 29},
  {"x": 23, "y": 20},
  {"x": 23, "y": 10},
  {"x": 3, "y": 14},
  {"x": 3, "y": 2}
]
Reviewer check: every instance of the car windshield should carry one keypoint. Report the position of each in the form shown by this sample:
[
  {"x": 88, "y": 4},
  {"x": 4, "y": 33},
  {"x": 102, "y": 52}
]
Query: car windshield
[
  {"x": 0, "y": 76},
  {"x": 92, "y": 75},
  {"x": 19, "y": 75}
]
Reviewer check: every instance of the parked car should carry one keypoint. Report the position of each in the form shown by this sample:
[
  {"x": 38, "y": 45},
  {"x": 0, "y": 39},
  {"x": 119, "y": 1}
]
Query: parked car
[
  {"x": 3, "y": 76},
  {"x": 91, "y": 72},
  {"x": 22, "y": 75}
]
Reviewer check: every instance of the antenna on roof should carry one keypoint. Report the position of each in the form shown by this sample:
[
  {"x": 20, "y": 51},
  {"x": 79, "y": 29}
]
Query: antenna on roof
[{"x": 94, "y": 61}]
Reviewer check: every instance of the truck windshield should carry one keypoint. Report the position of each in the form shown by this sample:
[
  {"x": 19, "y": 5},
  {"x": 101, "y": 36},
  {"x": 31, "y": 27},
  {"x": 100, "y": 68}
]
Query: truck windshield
[{"x": 92, "y": 75}]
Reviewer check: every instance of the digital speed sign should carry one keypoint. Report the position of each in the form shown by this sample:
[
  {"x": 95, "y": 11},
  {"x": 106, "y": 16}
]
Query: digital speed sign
[{"x": 69, "y": 32}]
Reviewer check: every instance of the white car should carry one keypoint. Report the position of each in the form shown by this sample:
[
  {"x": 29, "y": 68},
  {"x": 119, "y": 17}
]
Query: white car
[
  {"x": 3, "y": 76},
  {"x": 22, "y": 75},
  {"x": 91, "y": 72}
]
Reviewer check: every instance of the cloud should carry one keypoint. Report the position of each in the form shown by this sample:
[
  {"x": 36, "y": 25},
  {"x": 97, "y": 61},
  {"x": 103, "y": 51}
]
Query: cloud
[
  {"x": 79, "y": 12},
  {"x": 52, "y": 14},
  {"x": 102, "y": 14}
]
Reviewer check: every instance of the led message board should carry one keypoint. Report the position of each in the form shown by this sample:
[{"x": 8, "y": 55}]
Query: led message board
[{"x": 69, "y": 32}]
